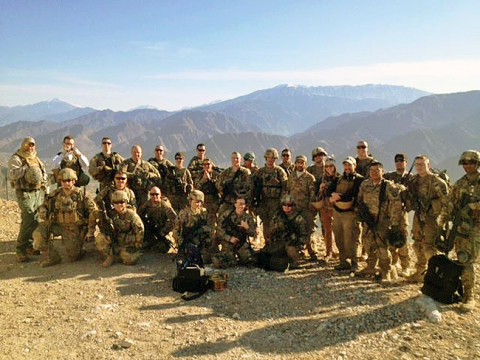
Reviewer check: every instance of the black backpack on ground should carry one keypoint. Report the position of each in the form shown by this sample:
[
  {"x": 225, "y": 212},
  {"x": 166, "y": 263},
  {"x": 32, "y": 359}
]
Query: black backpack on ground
[
  {"x": 191, "y": 279},
  {"x": 442, "y": 280}
]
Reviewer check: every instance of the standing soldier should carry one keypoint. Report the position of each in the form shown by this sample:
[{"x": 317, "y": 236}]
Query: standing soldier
[
  {"x": 233, "y": 182},
  {"x": 464, "y": 201},
  {"x": 67, "y": 213},
  {"x": 270, "y": 184},
  {"x": 141, "y": 174},
  {"x": 180, "y": 183},
  {"x": 123, "y": 239},
  {"x": 235, "y": 227},
  {"x": 301, "y": 185},
  {"x": 317, "y": 169},
  {"x": 380, "y": 208},
  {"x": 287, "y": 164},
  {"x": 28, "y": 177},
  {"x": 249, "y": 162},
  {"x": 401, "y": 177},
  {"x": 428, "y": 194},
  {"x": 161, "y": 163},
  {"x": 196, "y": 163},
  {"x": 70, "y": 157},
  {"x": 343, "y": 195},
  {"x": 363, "y": 158},
  {"x": 158, "y": 217},
  {"x": 103, "y": 165}
]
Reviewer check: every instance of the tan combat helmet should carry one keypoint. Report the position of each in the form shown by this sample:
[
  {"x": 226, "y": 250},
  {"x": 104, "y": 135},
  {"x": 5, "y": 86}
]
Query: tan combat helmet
[
  {"x": 318, "y": 151},
  {"x": 118, "y": 196},
  {"x": 271, "y": 152},
  {"x": 196, "y": 195},
  {"x": 468, "y": 156},
  {"x": 68, "y": 174}
]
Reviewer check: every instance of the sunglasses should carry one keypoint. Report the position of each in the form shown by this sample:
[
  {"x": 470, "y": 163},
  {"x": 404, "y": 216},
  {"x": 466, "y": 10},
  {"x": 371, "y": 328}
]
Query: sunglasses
[
  {"x": 361, "y": 147},
  {"x": 121, "y": 178},
  {"x": 160, "y": 150},
  {"x": 287, "y": 204},
  {"x": 119, "y": 202},
  {"x": 469, "y": 162},
  {"x": 201, "y": 150},
  {"x": 399, "y": 160},
  {"x": 178, "y": 158},
  {"x": 106, "y": 143},
  {"x": 154, "y": 194},
  {"x": 285, "y": 154},
  {"x": 31, "y": 144}
]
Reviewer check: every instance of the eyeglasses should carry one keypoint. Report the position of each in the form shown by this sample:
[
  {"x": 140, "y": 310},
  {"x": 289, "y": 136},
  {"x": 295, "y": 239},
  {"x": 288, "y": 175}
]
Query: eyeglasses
[
  {"x": 121, "y": 178},
  {"x": 287, "y": 204},
  {"x": 106, "y": 143},
  {"x": 178, "y": 158},
  {"x": 119, "y": 202},
  {"x": 361, "y": 147},
  {"x": 160, "y": 150},
  {"x": 154, "y": 194}
]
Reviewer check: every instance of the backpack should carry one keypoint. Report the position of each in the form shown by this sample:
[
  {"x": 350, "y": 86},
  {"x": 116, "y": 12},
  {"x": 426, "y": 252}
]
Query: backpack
[
  {"x": 191, "y": 279},
  {"x": 442, "y": 280}
]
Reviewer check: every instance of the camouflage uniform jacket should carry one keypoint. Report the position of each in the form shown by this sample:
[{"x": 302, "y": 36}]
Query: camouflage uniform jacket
[
  {"x": 288, "y": 168},
  {"x": 102, "y": 167},
  {"x": 17, "y": 165},
  {"x": 270, "y": 183},
  {"x": 230, "y": 185},
  {"x": 316, "y": 171},
  {"x": 129, "y": 228},
  {"x": 302, "y": 188},
  {"x": 179, "y": 181},
  {"x": 390, "y": 211},
  {"x": 470, "y": 189},
  {"x": 160, "y": 215},
  {"x": 188, "y": 219},
  {"x": 398, "y": 178},
  {"x": 141, "y": 176},
  {"x": 253, "y": 169},
  {"x": 195, "y": 165},
  {"x": 105, "y": 195},
  {"x": 161, "y": 165},
  {"x": 289, "y": 228},
  {"x": 224, "y": 233},
  {"x": 427, "y": 196},
  {"x": 363, "y": 166},
  {"x": 208, "y": 186}
]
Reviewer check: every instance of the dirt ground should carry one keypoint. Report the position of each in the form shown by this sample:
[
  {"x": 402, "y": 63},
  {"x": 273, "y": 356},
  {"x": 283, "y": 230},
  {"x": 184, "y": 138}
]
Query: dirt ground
[{"x": 83, "y": 311}]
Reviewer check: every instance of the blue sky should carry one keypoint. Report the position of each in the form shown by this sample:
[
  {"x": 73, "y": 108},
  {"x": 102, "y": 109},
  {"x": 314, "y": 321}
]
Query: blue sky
[{"x": 174, "y": 54}]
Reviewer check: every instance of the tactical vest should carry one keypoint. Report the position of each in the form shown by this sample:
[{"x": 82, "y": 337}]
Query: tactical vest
[
  {"x": 21, "y": 183},
  {"x": 271, "y": 183},
  {"x": 69, "y": 209}
]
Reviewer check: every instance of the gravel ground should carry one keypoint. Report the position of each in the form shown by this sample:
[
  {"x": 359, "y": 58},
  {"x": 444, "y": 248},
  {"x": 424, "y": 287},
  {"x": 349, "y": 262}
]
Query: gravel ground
[{"x": 82, "y": 311}]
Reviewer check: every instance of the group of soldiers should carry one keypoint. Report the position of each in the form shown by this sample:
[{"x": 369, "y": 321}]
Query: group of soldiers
[{"x": 209, "y": 215}]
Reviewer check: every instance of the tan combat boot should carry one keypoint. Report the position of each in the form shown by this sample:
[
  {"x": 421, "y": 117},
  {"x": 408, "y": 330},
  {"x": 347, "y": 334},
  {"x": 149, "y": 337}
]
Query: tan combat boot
[
  {"x": 468, "y": 303},
  {"x": 52, "y": 257},
  {"x": 366, "y": 271},
  {"x": 416, "y": 277},
  {"x": 108, "y": 261}
]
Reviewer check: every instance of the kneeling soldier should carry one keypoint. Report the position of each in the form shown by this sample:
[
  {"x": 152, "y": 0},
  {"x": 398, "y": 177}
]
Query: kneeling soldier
[
  {"x": 66, "y": 213},
  {"x": 125, "y": 236}
]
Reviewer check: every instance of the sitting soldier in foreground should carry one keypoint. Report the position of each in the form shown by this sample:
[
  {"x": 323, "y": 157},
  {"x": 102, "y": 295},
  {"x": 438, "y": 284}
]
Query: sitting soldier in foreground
[
  {"x": 66, "y": 212},
  {"x": 234, "y": 229},
  {"x": 158, "y": 217},
  {"x": 123, "y": 237}
]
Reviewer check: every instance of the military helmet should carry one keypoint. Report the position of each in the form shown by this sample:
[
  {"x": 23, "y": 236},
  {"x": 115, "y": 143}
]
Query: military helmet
[
  {"x": 118, "y": 196},
  {"x": 469, "y": 155},
  {"x": 301, "y": 158},
  {"x": 271, "y": 152},
  {"x": 287, "y": 198},
  {"x": 196, "y": 195},
  {"x": 34, "y": 176},
  {"x": 68, "y": 174},
  {"x": 318, "y": 151},
  {"x": 249, "y": 156}
]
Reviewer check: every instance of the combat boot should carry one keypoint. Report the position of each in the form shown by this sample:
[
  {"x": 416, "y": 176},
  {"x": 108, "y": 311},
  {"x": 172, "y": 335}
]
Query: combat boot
[
  {"x": 416, "y": 277},
  {"x": 366, "y": 271},
  {"x": 21, "y": 257},
  {"x": 52, "y": 258},
  {"x": 108, "y": 261},
  {"x": 344, "y": 265},
  {"x": 468, "y": 303},
  {"x": 393, "y": 274}
]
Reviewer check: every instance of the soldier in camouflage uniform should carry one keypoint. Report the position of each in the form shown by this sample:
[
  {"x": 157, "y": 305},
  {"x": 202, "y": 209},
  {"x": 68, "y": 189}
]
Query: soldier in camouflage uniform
[
  {"x": 123, "y": 241},
  {"x": 66, "y": 212},
  {"x": 270, "y": 184},
  {"x": 249, "y": 162},
  {"x": 465, "y": 201},
  {"x": 161, "y": 164},
  {"x": 381, "y": 202},
  {"x": 287, "y": 164},
  {"x": 180, "y": 183},
  {"x": 301, "y": 185},
  {"x": 120, "y": 183},
  {"x": 363, "y": 159},
  {"x": 192, "y": 232},
  {"x": 70, "y": 157},
  {"x": 401, "y": 177},
  {"x": 343, "y": 193},
  {"x": 195, "y": 164},
  {"x": 427, "y": 195},
  {"x": 233, "y": 182},
  {"x": 103, "y": 165},
  {"x": 141, "y": 174},
  {"x": 28, "y": 177},
  {"x": 290, "y": 233},
  {"x": 235, "y": 227},
  {"x": 317, "y": 169},
  {"x": 158, "y": 217}
]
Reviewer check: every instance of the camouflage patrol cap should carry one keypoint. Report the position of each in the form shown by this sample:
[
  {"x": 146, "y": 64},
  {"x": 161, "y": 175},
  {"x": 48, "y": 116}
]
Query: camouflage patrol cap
[
  {"x": 249, "y": 156},
  {"x": 34, "y": 176},
  {"x": 330, "y": 160},
  {"x": 196, "y": 195},
  {"x": 468, "y": 156},
  {"x": 350, "y": 160},
  {"x": 118, "y": 196},
  {"x": 318, "y": 151},
  {"x": 68, "y": 174},
  {"x": 287, "y": 198},
  {"x": 271, "y": 152},
  {"x": 301, "y": 158},
  {"x": 179, "y": 155}
]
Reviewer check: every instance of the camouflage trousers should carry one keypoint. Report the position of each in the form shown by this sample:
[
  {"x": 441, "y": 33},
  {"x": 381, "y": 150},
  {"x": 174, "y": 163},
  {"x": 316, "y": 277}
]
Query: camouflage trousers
[
  {"x": 232, "y": 255},
  {"x": 326, "y": 217},
  {"x": 266, "y": 210},
  {"x": 402, "y": 254},
  {"x": 73, "y": 238},
  {"x": 125, "y": 254},
  {"x": 347, "y": 231},
  {"x": 212, "y": 210},
  {"x": 377, "y": 248},
  {"x": 309, "y": 216},
  {"x": 468, "y": 250},
  {"x": 424, "y": 241},
  {"x": 28, "y": 202}
]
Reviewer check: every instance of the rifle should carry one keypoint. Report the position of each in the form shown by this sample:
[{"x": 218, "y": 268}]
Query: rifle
[
  {"x": 108, "y": 225},
  {"x": 154, "y": 228},
  {"x": 177, "y": 183}
]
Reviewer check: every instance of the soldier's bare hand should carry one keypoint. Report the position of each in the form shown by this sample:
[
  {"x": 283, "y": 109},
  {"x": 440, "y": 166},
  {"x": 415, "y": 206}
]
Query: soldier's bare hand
[
  {"x": 244, "y": 225},
  {"x": 234, "y": 240}
]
